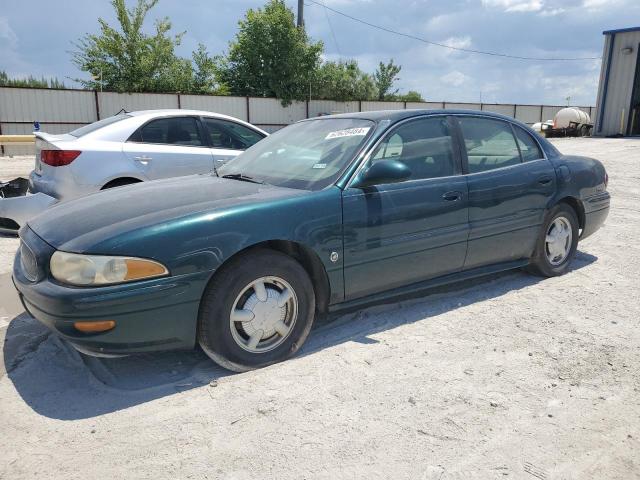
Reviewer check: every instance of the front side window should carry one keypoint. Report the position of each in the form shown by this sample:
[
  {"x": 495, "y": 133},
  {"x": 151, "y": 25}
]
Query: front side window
[
  {"x": 231, "y": 135},
  {"x": 528, "y": 146},
  {"x": 424, "y": 145},
  {"x": 170, "y": 131},
  {"x": 489, "y": 143},
  {"x": 308, "y": 155}
]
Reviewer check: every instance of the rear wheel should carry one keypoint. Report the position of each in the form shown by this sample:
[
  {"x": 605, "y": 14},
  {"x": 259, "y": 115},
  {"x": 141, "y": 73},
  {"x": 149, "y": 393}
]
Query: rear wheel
[
  {"x": 257, "y": 310},
  {"x": 557, "y": 243},
  {"x": 584, "y": 131}
]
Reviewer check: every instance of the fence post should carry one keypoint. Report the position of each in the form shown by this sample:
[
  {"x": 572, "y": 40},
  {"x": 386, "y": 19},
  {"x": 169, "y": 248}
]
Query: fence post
[
  {"x": 179, "y": 102},
  {"x": 541, "y": 112},
  {"x": 1, "y": 146},
  {"x": 307, "y": 108},
  {"x": 515, "y": 110},
  {"x": 248, "y": 111},
  {"x": 405, "y": 104},
  {"x": 359, "y": 105},
  {"x": 95, "y": 96}
]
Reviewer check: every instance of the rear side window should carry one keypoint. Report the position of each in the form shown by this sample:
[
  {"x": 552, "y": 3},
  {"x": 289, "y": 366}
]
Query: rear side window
[
  {"x": 92, "y": 127},
  {"x": 489, "y": 143},
  {"x": 528, "y": 146},
  {"x": 231, "y": 135},
  {"x": 169, "y": 131},
  {"x": 424, "y": 145}
]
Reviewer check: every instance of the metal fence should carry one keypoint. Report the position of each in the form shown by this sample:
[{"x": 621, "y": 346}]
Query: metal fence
[{"x": 62, "y": 110}]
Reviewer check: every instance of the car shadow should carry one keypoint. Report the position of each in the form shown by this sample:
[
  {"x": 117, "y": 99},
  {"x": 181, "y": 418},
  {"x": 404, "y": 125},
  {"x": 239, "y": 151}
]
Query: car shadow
[{"x": 58, "y": 382}]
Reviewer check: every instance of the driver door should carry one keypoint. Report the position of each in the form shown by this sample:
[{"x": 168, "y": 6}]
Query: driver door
[{"x": 403, "y": 233}]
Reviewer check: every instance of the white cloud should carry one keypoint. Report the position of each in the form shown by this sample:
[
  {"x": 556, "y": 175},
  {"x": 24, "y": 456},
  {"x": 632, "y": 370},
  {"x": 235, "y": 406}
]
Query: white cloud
[
  {"x": 458, "y": 42},
  {"x": 7, "y": 33},
  {"x": 515, "y": 5},
  {"x": 455, "y": 78}
]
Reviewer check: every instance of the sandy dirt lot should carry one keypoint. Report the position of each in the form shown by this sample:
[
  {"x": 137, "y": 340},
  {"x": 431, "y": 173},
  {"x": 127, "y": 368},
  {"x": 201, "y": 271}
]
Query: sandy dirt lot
[{"x": 510, "y": 376}]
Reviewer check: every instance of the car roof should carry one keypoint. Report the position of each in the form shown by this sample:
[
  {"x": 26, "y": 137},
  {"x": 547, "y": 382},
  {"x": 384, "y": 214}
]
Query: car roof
[
  {"x": 165, "y": 112},
  {"x": 397, "y": 115}
]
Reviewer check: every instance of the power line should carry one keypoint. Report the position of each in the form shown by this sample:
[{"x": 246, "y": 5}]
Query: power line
[
  {"x": 333, "y": 33},
  {"x": 459, "y": 49}
]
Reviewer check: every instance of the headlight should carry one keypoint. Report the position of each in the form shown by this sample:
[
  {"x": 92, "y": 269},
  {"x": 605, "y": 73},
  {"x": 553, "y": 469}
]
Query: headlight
[{"x": 86, "y": 270}]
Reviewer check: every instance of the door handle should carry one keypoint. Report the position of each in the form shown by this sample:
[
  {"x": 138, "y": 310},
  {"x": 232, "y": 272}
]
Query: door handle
[
  {"x": 452, "y": 196},
  {"x": 143, "y": 159},
  {"x": 544, "y": 180}
]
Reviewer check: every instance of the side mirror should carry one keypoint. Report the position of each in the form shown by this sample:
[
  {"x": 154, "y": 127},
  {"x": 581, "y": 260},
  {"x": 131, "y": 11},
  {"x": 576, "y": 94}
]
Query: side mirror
[{"x": 384, "y": 171}]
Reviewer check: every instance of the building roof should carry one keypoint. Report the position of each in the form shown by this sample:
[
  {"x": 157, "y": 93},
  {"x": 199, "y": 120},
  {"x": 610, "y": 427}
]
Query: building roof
[{"x": 621, "y": 30}]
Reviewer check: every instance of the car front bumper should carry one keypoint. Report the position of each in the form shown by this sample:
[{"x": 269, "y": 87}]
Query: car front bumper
[{"x": 159, "y": 314}]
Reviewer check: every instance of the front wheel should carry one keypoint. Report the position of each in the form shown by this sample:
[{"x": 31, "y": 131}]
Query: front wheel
[
  {"x": 258, "y": 310},
  {"x": 557, "y": 243}
]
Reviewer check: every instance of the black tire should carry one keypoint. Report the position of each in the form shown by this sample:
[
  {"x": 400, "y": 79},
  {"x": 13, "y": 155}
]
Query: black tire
[
  {"x": 584, "y": 131},
  {"x": 540, "y": 263},
  {"x": 214, "y": 328}
]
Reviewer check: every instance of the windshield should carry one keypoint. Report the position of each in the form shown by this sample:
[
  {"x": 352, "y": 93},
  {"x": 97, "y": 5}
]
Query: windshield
[
  {"x": 308, "y": 155},
  {"x": 92, "y": 127}
]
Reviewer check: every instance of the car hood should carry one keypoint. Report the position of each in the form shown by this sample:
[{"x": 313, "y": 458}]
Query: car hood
[{"x": 76, "y": 225}]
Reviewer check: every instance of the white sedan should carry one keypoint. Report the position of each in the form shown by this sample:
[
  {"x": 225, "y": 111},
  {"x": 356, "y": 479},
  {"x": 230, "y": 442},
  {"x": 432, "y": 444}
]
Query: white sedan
[{"x": 127, "y": 148}]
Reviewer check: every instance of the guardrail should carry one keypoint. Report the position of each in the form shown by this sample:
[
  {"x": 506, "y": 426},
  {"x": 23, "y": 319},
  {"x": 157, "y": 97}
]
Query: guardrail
[{"x": 17, "y": 139}]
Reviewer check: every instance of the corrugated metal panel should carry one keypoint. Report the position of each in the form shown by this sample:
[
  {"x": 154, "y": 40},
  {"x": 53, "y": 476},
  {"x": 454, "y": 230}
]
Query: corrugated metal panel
[
  {"x": 30, "y": 104},
  {"x": 462, "y": 106},
  {"x": 317, "y": 107},
  {"x": 424, "y": 105},
  {"x": 549, "y": 111},
  {"x": 111, "y": 103},
  {"x": 603, "y": 68},
  {"x": 233, "y": 106},
  {"x": 528, "y": 113},
  {"x": 620, "y": 85},
  {"x": 373, "y": 106},
  {"x": 503, "y": 109},
  {"x": 270, "y": 111}
]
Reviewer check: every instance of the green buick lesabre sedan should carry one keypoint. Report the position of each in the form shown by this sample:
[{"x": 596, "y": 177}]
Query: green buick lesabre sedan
[{"x": 328, "y": 212}]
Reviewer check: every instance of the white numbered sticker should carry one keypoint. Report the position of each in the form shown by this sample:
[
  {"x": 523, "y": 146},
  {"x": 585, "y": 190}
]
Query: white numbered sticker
[{"x": 349, "y": 132}]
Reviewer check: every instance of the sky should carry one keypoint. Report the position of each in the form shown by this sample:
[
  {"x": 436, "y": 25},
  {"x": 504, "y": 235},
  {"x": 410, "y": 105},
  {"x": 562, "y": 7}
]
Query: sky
[{"x": 37, "y": 36}]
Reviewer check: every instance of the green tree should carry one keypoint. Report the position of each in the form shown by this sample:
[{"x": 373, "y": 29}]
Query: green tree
[
  {"x": 204, "y": 76},
  {"x": 410, "y": 96},
  {"x": 343, "y": 81},
  {"x": 385, "y": 76},
  {"x": 29, "y": 81},
  {"x": 270, "y": 56},
  {"x": 128, "y": 60}
]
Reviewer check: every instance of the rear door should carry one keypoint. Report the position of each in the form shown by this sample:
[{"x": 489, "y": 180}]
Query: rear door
[
  {"x": 403, "y": 233},
  {"x": 169, "y": 147},
  {"x": 228, "y": 139},
  {"x": 510, "y": 184}
]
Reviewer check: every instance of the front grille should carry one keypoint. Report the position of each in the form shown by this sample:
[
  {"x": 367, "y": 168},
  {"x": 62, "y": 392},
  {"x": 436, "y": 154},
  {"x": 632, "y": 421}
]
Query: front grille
[{"x": 28, "y": 262}]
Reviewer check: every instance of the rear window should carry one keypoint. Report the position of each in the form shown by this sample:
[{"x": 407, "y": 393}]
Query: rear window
[{"x": 92, "y": 127}]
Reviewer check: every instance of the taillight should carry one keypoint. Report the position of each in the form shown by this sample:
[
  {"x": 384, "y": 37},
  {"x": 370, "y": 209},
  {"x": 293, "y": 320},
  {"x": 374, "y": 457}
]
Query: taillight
[{"x": 58, "y": 158}]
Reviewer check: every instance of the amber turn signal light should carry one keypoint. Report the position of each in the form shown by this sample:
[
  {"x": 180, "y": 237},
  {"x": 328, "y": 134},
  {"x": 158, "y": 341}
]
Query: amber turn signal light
[{"x": 94, "y": 327}]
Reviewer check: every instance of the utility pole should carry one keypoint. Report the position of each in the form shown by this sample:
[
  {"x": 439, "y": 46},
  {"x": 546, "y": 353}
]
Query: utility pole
[{"x": 301, "y": 13}]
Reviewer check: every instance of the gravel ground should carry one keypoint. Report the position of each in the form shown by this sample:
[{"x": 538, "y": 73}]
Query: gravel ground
[{"x": 511, "y": 376}]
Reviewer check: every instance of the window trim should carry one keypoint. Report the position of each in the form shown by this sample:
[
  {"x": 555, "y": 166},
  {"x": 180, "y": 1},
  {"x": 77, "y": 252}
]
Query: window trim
[
  {"x": 205, "y": 130},
  {"x": 514, "y": 128},
  {"x": 458, "y": 161},
  {"x": 512, "y": 124},
  {"x": 198, "y": 127}
]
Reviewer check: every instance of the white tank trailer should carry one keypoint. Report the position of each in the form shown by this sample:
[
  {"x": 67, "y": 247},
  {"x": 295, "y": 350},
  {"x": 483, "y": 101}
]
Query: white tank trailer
[{"x": 569, "y": 122}]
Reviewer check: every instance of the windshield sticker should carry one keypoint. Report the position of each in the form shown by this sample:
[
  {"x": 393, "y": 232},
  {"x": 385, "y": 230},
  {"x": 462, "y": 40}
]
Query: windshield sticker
[
  {"x": 320, "y": 165},
  {"x": 349, "y": 132}
]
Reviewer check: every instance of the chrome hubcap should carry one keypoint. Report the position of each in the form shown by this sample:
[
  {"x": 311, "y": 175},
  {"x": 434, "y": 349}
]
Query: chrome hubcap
[
  {"x": 558, "y": 241},
  {"x": 263, "y": 314}
]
